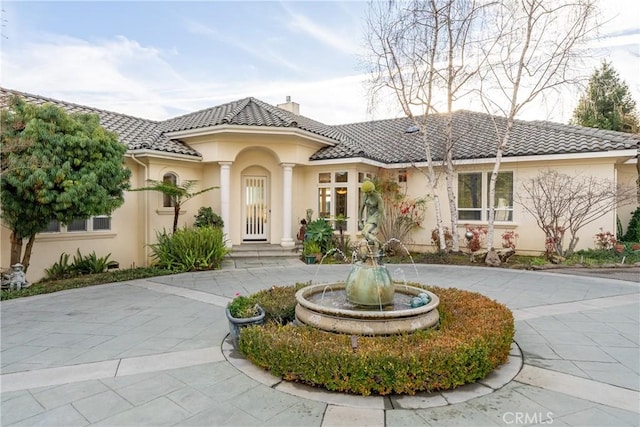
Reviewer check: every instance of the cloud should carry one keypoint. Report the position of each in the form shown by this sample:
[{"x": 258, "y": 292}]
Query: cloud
[
  {"x": 123, "y": 76},
  {"x": 127, "y": 76},
  {"x": 109, "y": 73},
  {"x": 266, "y": 54},
  {"x": 326, "y": 35}
]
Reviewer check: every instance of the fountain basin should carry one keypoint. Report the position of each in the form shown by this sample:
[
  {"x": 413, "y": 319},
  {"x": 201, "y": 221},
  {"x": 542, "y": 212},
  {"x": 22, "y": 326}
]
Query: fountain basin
[
  {"x": 310, "y": 310},
  {"x": 369, "y": 284}
]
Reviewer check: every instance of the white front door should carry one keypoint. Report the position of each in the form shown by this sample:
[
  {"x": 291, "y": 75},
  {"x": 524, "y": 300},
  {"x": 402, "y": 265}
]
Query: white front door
[{"x": 255, "y": 213}]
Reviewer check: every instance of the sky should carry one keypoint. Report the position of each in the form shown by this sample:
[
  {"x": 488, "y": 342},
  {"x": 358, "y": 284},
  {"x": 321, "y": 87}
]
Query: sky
[{"x": 160, "y": 59}]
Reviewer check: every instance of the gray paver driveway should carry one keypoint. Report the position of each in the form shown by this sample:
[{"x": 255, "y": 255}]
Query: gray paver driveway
[{"x": 150, "y": 352}]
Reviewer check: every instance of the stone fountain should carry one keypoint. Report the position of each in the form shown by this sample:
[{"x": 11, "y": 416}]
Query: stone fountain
[{"x": 368, "y": 303}]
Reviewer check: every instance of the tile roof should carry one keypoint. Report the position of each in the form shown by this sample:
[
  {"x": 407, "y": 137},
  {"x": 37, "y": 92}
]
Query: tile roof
[
  {"x": 387, "y": 141},
  {"x": 476, "y": 136},
  {"x": 134, "y": 132},
  {"x": 251, "y": 112}
]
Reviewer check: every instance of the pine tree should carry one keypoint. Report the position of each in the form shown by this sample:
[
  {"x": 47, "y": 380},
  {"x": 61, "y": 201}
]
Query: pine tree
[{"x": 607, "y": 103}]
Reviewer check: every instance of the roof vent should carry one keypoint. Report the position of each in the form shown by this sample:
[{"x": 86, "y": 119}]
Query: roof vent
[{"x": 412, "y": 129}]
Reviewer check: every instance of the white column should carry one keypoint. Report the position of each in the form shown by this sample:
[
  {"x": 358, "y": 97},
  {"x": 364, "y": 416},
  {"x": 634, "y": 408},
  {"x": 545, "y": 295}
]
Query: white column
[
  {"x": 225, "y": 196},
  {"x": 287, "y": 206}
]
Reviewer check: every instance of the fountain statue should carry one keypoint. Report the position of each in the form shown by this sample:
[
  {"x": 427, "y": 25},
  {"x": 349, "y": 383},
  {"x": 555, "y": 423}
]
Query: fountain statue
[
  {"x": 368, "y": 303},
  {"x": 369, "y": 282}
]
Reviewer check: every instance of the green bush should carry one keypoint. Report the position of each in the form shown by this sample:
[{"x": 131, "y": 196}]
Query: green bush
[
  {"x": 90, "y": 264},
  {"x": 320, "y": 232},
  {"x": 243, "y": 307},
  {"x": 207, "y": 218},
  {"x": 61, "y": 269},
  {"x": 278, "y": 302},
  {"x": 190, "y": 249},
  {"x": 633, "y": 229},
  {"x": 82, "y": 264},
  {"x": 474, "y": 338}
]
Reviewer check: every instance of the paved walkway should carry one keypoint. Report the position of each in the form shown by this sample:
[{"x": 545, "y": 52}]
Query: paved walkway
[{"x": 154, "y": 352}]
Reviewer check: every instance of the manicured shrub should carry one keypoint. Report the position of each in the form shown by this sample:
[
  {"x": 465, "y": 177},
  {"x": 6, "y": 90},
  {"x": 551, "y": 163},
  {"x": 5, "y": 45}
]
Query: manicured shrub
[
  {"x": 278, "y": 302},
  {"x": 206, "y": 217},
  {"x": 633, "y": 229},
  {"x": 190, "y": 249},
  {"x": 474, "y": 337}
]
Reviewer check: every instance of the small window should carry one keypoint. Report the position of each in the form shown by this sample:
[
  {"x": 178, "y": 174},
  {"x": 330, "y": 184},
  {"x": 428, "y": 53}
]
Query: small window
[
  {"x": 473, "y": 196},
  {"x": 470, "y": 196},
  {"x": 53, "y": 227},
  {"x": 324, "y": 202},
  {"x": 77, "y": 225},
  {"x": 324, "y": 178},
  {"x": 504, "y": 196},
  {"x": 402, "y": 175},
  {"x": 169, "y": 178},
  {"x": 362, "y": 176},
  {"x": 101, "y": 223},
  {"x": 342, "y": 176}
]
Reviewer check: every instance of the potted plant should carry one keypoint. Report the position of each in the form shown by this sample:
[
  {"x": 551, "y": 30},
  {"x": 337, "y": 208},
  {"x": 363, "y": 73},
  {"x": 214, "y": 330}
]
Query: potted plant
[
  {"x": 311, "y": 251},
  {"x": 243, "y": 311}
]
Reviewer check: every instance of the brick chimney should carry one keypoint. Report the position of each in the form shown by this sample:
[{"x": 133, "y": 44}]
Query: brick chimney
[{"x": 290, "y": 106}]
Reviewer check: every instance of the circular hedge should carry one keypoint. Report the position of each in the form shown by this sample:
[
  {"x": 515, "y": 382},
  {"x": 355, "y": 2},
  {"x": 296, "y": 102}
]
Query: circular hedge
[{"x": 473, "y": 338}]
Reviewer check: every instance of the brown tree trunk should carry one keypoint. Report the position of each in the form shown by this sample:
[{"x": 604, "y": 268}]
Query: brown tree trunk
[
  {"x": 176, "y": 214},
  {"x": 27, "y": 252},
  {"x": 16, "y": 248}
]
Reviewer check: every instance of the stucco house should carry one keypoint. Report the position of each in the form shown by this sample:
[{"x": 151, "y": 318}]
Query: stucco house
[{"x": 271, "y": 164}]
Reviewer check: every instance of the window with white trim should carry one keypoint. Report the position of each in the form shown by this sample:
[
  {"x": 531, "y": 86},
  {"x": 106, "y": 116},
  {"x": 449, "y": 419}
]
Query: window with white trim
[
  {"x": 473, "y": 196},
  {"x": 332, "y": 194},
  {"x": 96, "y": 223},
  {"x": 169, "y": 178}
]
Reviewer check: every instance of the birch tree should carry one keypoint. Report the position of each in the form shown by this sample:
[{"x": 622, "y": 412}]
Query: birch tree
[
  {"x": 540, "y": 42},
  {"x": 419, "y": 53}
]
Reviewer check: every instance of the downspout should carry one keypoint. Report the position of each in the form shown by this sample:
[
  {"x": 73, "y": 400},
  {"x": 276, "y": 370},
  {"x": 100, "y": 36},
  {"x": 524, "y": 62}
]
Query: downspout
[{"x": 146, "y": 208}]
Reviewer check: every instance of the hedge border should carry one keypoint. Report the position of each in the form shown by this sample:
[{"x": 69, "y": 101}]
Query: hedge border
[{"x": 474, "y": 338}]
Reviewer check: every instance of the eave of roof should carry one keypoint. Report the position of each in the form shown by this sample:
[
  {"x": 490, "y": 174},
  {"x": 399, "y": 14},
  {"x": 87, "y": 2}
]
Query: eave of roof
[{"x": 247, "y": 129}]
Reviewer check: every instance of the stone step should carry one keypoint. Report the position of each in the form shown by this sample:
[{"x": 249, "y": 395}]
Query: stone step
[{"x": 264, "y": 250}]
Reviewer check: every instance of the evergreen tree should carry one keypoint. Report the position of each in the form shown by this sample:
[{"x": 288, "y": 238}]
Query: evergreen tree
[
  {"x": 55, "y": 166},
  {"x": 607, "y": 103}
]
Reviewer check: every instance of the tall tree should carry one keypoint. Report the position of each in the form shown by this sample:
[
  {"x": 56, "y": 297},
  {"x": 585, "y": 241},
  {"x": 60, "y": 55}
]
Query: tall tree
[
  {"x": 419, "y": 51},
  {"x": 59, "y": 166},
  {"x": 539, "y": 41},
  {"x": 607, "y": 103},
  {"x": 179, "y": 194}
]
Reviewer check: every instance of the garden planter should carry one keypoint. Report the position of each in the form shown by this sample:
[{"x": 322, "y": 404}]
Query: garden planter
[
  {"x": 311, "y": 259},
  {"x": 236, "y": 324}
]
